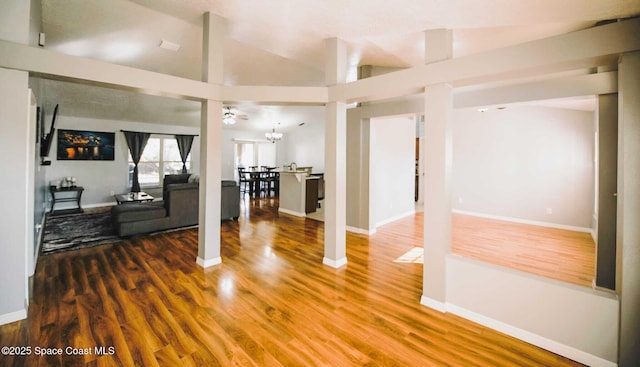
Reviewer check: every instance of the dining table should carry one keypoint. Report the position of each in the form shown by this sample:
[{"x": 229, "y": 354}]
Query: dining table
[{"x": 261, "y": 179}]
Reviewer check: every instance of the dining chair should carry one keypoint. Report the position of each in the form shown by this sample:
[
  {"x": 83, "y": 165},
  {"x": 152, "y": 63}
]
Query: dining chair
[
  {"x": 271, "y": 181},
  {"x": 246, "y": 181}
]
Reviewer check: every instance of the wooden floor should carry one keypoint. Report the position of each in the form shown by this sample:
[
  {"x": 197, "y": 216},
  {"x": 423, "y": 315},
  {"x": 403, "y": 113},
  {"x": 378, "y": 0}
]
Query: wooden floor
[
  {"x": 270, "y": 303},
  {"x": 560, "y": 254}
]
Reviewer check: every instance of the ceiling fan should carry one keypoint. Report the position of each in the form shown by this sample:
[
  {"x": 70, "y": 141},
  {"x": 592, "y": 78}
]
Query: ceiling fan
[{"x": 229, "y": 117}]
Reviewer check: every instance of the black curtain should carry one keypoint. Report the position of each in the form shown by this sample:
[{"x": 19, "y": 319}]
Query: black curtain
[
  {"x": 184, "y": 146},
  {"x": 136, "y": 142}
]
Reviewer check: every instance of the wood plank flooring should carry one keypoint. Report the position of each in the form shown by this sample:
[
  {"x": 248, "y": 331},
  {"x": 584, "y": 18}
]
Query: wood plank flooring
[
  {"x": 270, "y": 303},
  {"x": 560, "y": 254}
]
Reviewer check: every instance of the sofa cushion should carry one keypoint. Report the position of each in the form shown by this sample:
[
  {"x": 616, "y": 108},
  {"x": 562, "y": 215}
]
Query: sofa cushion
[{"x": 135, "y": 212}]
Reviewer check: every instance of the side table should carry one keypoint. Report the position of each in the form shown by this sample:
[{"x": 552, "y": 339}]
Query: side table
[{"x": 66, "y": 194}]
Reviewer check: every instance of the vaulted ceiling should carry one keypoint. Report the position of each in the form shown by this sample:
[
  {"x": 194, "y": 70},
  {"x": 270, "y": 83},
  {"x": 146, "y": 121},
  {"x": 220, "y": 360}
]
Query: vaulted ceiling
[{"x": 281, "y": 42}]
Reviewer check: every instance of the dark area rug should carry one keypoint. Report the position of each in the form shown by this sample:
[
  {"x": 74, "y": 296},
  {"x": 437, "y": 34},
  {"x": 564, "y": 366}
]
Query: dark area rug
[{"x": 74, "y": 231}]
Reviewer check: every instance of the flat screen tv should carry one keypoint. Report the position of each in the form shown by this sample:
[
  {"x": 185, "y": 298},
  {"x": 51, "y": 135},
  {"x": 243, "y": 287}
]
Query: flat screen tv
[
  {"x": 46, "y": 139},
  {"x": 75, "y": 145}
]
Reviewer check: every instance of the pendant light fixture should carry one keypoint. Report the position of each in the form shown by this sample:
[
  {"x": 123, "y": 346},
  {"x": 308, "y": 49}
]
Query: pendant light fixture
[{"x": 273, "y": 136}]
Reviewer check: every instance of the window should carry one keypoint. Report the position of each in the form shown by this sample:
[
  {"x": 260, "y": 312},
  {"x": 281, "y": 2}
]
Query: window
[
  {"x": 254, "y": 153},
  {"x": 244, "y": 155},
  {"x": 160, "y": 157}
]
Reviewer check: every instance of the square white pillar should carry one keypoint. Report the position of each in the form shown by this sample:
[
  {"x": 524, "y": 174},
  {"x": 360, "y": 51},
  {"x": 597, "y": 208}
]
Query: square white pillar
[
  {"x": 211, "y": 146},
  {"x": 210, "y": 184},
  {"x": 16, "y": 187},
  {"x": 438, "y": 45},
  {"x": 335, "y": 253},
  {"x": 437, "y": 193},
  {"x": 335, "y": 208},
  {"x": 436, "y": 145},
  {"x": 628, "y": 238}
]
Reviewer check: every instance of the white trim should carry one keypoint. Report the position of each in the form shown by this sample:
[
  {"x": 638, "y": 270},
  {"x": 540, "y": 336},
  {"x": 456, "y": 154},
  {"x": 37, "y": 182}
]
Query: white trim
[
  {"x": 529, "y": 337},
  {"x": 594, "y": 229},
  {"x": 335, "y": 263},
  {"x": 361, "y": 230},
  {"x": 291, "y": 212},
  {"x": 525, "y": 221},
  {"x": 247, "y": 141},
  {"x": 29, "y": 255},
  {"x": 10, "y": 317},
  {"x": 83, "y": 206},
  {"x": 396, "y": 217},
  {"x": 432, "y": 303},
  {"x": 39, "y": 244},
  {"x": 100, "y": 205},
  {"x": 208, "y": 262}
]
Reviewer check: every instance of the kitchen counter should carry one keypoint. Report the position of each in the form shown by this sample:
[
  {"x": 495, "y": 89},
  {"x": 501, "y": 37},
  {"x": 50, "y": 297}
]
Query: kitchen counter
[{"x": 298, "y": 192}]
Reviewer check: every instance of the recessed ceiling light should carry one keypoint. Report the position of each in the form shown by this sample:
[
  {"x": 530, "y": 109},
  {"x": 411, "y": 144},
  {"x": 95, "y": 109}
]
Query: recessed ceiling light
[
  {"x": 300, "y": 124},
  {"x": 169, "y": 45},
  {"x": 483, "y": 109}
]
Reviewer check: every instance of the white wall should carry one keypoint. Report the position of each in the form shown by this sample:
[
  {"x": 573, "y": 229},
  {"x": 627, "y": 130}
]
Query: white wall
[
  {"x": 303, "y": 145},
  {"x": 521, "y": 161},
  {"x": 100, "y": 178},
  {"x": 573, "y": 321},
  {"x": 393, "y": 167}
]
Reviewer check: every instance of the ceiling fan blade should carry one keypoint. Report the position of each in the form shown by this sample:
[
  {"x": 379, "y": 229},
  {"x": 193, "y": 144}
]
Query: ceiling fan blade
[{"x": 228, "y": 113}]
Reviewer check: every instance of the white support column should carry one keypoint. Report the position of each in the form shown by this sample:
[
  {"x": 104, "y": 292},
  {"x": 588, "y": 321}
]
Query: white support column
[
  {"x": 369, "y": 173},
  {"x": 628, "y": 238},
  {"x": 210, "y": 189},
  {"x": 211, "y": 146},
  {"x": 213, "y": 32},
  {"x": 335, "y": 247},
  {"x": 437, "y": 194},
  {"x": 15, "y": 143},
  {"x": 436, "y": 145},
  {"x": 438, "y": 45}
]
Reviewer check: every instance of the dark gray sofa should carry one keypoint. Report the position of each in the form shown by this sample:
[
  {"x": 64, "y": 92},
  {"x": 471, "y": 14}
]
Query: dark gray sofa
[{"x": 179, "y": 207}]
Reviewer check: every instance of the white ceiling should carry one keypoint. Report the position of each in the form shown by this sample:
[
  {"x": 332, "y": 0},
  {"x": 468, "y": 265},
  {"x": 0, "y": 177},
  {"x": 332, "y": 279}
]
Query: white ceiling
[{"x": 280, "y": 42}]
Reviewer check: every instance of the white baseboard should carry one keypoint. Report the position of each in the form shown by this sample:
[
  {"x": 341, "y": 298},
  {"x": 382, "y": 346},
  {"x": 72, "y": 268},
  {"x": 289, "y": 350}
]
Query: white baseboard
[
  {"x": 100, "y": 205},
  {"x": 361, "y": 230},
  {"x": 291, "y": 212},
  {"x": 84, "y": 206},
  {"x": 396, "y": 217},
  {"x": 208, "y": 262},
  {"x": 525, "y": 221},
  {"x": 10, "y": 317},
  {"x": 335, "y": 263},
  {"x": 531, "y": 338},
  {"x": 432, "y": 303},
  {"x": 594, "y": 225},
  {"x": 38, "y": 245}
]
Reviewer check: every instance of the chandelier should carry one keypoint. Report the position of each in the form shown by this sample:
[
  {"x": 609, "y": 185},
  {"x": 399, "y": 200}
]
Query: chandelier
[{"x": 273, "y": 136}]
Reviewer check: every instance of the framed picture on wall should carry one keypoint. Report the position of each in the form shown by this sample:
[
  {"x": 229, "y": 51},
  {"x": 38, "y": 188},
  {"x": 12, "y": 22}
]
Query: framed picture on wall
[{"x": 75, "y": 145}]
